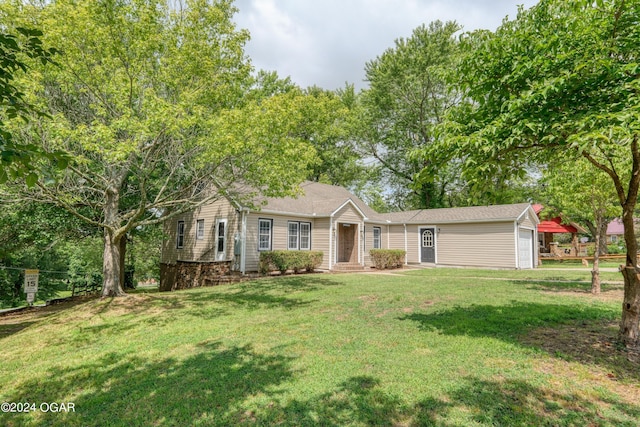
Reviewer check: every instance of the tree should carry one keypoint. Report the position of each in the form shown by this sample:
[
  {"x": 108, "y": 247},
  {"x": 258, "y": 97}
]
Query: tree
[
  {"x": 16, "y": 160},
  {"x": 406, "y": 99},
  {"x": 142, "y": 100},
  {"x": 327, "y": 126},
  {"x": 38, "y": 236},
  {"x": 327, "y": 120},
  {"x": 562, "y": 79},
  {"x": 586, "y": 195}
]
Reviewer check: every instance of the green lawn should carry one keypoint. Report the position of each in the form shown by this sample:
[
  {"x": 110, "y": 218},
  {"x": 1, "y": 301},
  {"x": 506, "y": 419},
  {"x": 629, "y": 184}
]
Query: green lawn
[{"x": 439, "y": 347}]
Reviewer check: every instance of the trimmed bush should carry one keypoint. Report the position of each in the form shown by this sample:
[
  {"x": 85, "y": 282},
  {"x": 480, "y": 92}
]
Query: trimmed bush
[
  {"x": 289, "y": 260},
  {"x": 387, "y": 258}
]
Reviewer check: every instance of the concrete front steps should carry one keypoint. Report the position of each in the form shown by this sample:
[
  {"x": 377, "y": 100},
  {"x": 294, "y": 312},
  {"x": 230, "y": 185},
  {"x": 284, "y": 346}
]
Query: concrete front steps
[{"x": 344, "y": 267}]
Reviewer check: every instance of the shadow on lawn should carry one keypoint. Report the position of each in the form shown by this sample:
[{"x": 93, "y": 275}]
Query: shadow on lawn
[
  {"x": 162, "y": 308},
  {"x": 586, "y": 334},
  {"x": 215, "y": 387},
  {"x": 208, "y": 387}
]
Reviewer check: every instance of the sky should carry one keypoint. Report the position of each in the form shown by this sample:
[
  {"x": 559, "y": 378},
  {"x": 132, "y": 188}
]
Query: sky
[{"x": 328, "y": 42}]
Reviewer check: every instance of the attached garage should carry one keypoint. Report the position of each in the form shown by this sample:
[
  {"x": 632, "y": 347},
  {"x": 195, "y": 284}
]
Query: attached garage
[{"x": 500, "y": 236}]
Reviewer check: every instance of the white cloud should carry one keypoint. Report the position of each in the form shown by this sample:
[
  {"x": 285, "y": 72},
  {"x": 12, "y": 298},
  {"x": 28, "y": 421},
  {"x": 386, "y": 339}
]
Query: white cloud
[{"x": 328, "y": 42}]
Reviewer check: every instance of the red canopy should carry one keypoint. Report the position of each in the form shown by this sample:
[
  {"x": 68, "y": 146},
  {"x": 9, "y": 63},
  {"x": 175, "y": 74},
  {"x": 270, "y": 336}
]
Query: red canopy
[{"x": 554, "y": 225}]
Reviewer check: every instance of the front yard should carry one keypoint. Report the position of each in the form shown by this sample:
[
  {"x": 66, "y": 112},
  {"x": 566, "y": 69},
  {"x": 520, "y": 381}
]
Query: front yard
[{"x": 432, "y": 347}]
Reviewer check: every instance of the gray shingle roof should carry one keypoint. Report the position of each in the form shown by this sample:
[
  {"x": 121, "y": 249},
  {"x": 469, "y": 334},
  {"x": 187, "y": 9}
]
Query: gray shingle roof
[
  {"x": 465, "y": 214},
  {"x": 316, "y": 199},
  {"x": 322, "y": 200}
]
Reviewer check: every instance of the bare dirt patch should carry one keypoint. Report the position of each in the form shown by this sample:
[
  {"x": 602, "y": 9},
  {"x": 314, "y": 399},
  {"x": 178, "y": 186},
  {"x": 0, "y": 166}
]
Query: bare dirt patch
[{"x": 607, "y": 296}]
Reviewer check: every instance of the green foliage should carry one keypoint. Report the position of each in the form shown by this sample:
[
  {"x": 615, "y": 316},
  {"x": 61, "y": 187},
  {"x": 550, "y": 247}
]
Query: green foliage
[
  {"x": 17, "y": 51},
  {"x": 387, "y": 258},
  {"x": 615, "y": 249},
  {"x": 559, "y": 80},
  {"x": 399, "y": 112},
  {"x": 158, "y": 108},
  {"x": 37, "y": 236},
  {"x": 583, "y": 194},
  {"x": 289, "y": 260}
]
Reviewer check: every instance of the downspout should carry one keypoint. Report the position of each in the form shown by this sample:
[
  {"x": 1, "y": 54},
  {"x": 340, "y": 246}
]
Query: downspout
[
  {"x": 406, "y": 247},
  {"x": 330, "y": 242},
  {"x": 243, "y": 241},
  {"x": 517, "y": 244}
]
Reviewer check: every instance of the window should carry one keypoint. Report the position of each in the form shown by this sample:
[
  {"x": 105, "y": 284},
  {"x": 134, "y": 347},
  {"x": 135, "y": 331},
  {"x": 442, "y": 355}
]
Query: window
[
  {"x": 221, "y": 239},
  {"x": 427, "y": 239},
  {"x": 305, "y": 236},
  {"x": 200, "y": 229},
  {"x": 614, "y": 238},
  {"x": 264, "y": 234},
  {"x": 294, "y": 228},
  {"x": 180, "y": 235},
  {"x": 377, "y": 237},
  {"x": 299, "y": 235}
]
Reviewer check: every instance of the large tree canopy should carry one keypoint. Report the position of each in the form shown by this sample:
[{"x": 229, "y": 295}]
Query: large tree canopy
[
  {"x": 149, "y": 99},
  {"x": 406, "y": 99},
  {"x": 561, "y": 79},
  {"x": 16, "y": 48}
]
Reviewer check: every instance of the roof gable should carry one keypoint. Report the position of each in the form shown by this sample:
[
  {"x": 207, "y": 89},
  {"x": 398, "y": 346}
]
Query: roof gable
[{"x": 317, "y": 199}]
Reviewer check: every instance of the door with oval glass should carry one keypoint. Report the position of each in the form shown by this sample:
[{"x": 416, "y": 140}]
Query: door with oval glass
[{"x": 428, "y": 245}]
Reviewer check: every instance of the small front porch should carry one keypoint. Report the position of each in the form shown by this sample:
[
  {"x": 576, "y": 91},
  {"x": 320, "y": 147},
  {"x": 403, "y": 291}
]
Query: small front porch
[{"x": 349, "y": 267}]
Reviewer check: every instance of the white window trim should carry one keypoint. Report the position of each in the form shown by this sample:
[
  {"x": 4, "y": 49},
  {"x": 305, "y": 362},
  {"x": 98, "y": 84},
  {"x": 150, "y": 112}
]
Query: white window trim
[
  {"x": 270, "y": 222},
  {"x": 199, "y": 229},
  {"x": 298, "y": 236},
  {"x": 221, "y": 255},
  {"x": 290, "y": 235},
  {"x": 379, "y": 240},
  {"x": 308, "y": 224},
  {"x": 180, "y": 235}
]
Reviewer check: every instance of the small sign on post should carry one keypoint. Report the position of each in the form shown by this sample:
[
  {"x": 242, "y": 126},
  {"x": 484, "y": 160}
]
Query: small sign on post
[{"x": 31, "y": 284}]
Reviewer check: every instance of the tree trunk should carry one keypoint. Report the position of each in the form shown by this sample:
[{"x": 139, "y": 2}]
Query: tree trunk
[
  {"x": 123, "y": 251},
  {"x": 630, "y": 323},
  {"x": 595, "y": 273},
  {"x": 603, "y": 238},
  {"x": 111, "y": 266}
]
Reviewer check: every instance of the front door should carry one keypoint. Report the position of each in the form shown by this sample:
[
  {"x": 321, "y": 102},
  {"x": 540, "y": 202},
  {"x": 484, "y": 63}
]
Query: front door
[
  {"x": 525, "y": 249},
  {"x": 347, "y": 243},
  {"x": 428, "y": 245}
]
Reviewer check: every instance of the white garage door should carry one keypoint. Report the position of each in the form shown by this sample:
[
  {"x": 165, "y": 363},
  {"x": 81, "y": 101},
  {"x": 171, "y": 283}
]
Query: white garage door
[{"x": 525, "y": 249}]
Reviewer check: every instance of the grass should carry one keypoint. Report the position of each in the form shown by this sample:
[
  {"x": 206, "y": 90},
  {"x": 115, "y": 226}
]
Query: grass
[{"x": 433, "y": 347}]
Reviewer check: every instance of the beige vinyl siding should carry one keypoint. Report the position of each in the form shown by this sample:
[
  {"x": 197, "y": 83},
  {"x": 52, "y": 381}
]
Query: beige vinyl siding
[
  {"x": 251, "y": 251},
  {"x": 476, "y": 245},
  {"x": 320, "y": 239},
  {"x": 395, "y": 237},
  {"x": 279, "y": 236},
  {"x": 200, "y": 250},
  {"x": 368, "y": 237},
  {"x": 348, "y": 214},
  {"x": 413, "y": 244}
]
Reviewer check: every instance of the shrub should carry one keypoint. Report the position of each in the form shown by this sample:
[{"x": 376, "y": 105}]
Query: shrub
[
  {"x": 387, "y": 258},
  {"x": 289, "y": 260}
]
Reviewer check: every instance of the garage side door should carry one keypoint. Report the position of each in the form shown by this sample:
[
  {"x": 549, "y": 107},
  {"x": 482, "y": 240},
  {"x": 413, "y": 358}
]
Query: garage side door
[{"x": 525, "y": 249}]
